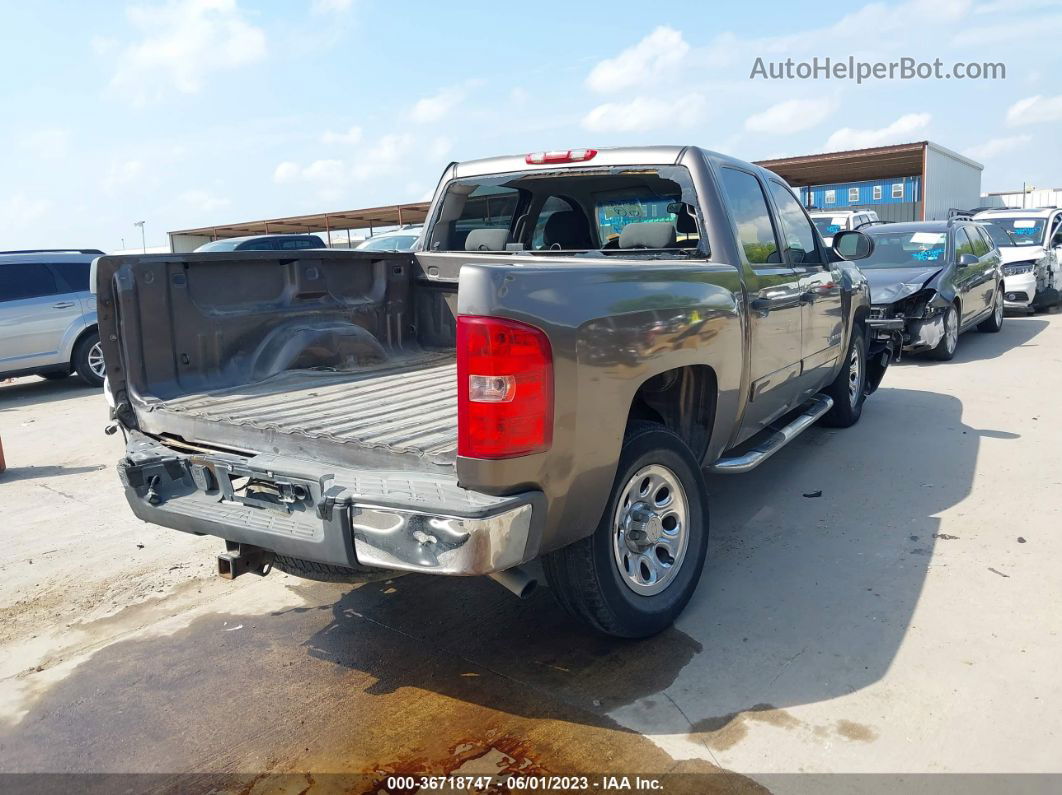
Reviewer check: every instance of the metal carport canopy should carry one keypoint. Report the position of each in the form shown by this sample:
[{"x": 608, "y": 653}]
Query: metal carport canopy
[
  {"x": 880, "y": 162},
  {"x": 370, "y": 217}
]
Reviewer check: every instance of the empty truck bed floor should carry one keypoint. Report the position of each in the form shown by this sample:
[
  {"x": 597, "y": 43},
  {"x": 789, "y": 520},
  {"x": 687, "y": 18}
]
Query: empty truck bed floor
[{"x": 410, "y": 409}]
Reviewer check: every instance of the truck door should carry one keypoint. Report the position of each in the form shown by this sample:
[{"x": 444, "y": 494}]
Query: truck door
[
  {"x": 774, "y": 302},
  {"x": 822, "y": 308}
]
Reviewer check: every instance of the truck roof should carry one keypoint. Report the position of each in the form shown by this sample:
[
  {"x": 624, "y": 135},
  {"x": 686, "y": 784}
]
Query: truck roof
[{"x": 604, "y": 156}]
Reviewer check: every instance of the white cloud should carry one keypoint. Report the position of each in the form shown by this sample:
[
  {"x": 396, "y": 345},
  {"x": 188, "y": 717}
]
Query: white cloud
[
  {"x": 1035, "y": 110},
  {"x": 103, "y": 45},
  {"x": 903, "y": 130},
  {"x": 656, "y": 57},
  {"x": 121, "y": 174},
  {"x": 440, "y": 147},
  {"x": 331, "y": 6},
  {"x": 286, "y": 172},
  {"x": 389, "y": 154},
  {"x": 50, "y": 144},
  {"x": 350, "y": 137},
  {"x": 997, "y": 146},
  {"x": 438, "y": 105},
  {"x": 385, "y": 156},
  {"x": 19, "y": 212},
  {"x": 203, "y": 200},
  {"x": 641, "y": 114},
  {"x": 333, "y": 171},
  {"x": 1012, "y": 6},
  {"x": 1016, "y": 30},
  {"x": 791, "y": 116},
  {"x": 181, "y": 43}
]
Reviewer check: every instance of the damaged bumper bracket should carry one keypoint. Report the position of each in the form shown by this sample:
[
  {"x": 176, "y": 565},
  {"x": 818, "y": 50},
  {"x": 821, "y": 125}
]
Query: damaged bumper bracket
[{"x": 352, "y": 518}]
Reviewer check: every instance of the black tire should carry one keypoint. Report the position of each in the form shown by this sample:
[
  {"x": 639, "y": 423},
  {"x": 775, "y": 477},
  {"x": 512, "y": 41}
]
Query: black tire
[
  {"x": 945, "y": 350},
  {"x": 585, "y": 576},
  {"x": 322, "y": 572},
  {"x": 56, "y": 375},
  {"x": 994, "y": 322},
  {"x": 848, "y": 406},
  {"x": 82, "y": 353}
]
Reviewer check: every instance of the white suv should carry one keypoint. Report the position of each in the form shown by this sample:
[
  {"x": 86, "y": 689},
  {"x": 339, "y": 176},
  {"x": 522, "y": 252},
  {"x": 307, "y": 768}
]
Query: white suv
[
  {"x": 1030, "y": 242},
  {"x": 830, "y": 222},
  {"x": 48, "y": 316}
]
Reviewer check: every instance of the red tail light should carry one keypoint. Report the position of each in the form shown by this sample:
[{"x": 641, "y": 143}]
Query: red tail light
[{"x": 504, "y": 388}]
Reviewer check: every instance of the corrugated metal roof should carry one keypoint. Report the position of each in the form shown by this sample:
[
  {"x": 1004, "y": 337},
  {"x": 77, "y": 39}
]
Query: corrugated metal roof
[{"x": 387, "y": 215}]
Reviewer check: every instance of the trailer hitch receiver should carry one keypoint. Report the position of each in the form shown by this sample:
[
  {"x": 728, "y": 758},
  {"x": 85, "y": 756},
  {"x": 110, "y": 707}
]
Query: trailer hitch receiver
[{"x": 240, "y": 559}]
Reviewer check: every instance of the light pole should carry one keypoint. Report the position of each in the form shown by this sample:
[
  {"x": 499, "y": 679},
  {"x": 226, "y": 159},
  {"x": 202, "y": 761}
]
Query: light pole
[{"x": 143, "y": 239}]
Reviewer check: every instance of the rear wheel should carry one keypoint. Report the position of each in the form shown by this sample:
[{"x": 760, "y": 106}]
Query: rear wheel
[
  {"x": 638, "y": 570},
  {"x": 849, "y": 388},
  {"x": 88, "y": 360},
  {"x": 949, "y": 343},
  {"x": 995, "y": 320}
]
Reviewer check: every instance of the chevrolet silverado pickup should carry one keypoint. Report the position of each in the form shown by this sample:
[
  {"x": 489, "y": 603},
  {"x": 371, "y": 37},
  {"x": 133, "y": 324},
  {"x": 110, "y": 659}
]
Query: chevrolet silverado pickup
[{"x": 575, "y": 338}]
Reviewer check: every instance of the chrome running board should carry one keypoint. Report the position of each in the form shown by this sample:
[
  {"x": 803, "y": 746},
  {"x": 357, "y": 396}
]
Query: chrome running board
[{"x": 745, "y": 462}]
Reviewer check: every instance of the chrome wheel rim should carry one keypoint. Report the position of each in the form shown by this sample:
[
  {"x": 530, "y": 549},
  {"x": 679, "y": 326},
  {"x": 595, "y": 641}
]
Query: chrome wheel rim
[
  {"x": 951, "y": 330},
  {"x": 650, "y": 530},
  {"x": 855, "y": 376},
  {"x": 95, "y": 361},
  {"x": 999, "y": 308}
]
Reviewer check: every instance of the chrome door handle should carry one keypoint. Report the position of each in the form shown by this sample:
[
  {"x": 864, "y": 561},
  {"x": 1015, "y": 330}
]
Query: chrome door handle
[{"x": 63, "y": 305}]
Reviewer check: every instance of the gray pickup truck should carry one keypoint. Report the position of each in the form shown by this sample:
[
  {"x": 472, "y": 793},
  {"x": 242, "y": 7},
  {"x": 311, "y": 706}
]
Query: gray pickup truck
[{"x": 577, "y": 335}]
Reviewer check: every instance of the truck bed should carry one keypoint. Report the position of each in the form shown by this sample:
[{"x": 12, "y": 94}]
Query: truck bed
[{"x": 406, "y": 408}]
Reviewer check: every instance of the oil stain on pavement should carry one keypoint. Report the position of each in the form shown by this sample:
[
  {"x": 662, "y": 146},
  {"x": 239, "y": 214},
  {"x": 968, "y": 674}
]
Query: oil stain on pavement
[{"x": 411, "y": 675}]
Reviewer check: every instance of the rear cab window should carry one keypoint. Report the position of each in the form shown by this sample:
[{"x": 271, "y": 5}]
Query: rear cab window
[{"x": 584, "y": 211}]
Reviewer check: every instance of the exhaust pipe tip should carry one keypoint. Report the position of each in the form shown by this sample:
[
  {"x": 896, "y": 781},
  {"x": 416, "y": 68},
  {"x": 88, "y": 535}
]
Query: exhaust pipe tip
[{"x": 516, "y": 581}]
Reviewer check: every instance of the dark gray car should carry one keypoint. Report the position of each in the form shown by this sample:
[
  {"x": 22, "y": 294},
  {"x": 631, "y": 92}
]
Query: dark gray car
[
  {"x": 580, "y": 334},
  {"x": 933, "y": 280}
]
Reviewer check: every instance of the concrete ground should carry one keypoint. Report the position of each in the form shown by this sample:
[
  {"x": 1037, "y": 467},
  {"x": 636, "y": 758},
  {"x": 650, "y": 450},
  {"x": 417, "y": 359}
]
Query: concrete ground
[{"x": 905, "y": 621}]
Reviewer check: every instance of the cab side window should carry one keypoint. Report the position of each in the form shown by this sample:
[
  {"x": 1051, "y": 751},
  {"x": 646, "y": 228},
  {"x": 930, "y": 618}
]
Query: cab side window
[
  {"x": 796, "y": 228},
  {"x": 748, "y": 206}
]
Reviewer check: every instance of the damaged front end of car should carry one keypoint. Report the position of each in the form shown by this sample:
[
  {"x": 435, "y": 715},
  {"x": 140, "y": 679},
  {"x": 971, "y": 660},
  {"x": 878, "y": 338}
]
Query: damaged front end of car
[{"x": 918, "y": 319}]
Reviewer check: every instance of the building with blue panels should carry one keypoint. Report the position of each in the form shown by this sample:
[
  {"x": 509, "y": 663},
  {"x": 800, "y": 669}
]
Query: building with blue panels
[
  {"x": 869, "y": 193},
  {"x": 906, "y": 182}
]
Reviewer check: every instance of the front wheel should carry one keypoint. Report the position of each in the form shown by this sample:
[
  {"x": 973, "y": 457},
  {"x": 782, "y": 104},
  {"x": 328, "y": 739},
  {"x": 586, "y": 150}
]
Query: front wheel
[
  {"x": 949, "y": 343},
  {"x": 995, "y": 321},
  {"x": 849, "y": 388},
  {"x": 638, "y": 570}
]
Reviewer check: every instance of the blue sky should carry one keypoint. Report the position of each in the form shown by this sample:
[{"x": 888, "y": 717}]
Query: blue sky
[{"x": 190, "y": 112}]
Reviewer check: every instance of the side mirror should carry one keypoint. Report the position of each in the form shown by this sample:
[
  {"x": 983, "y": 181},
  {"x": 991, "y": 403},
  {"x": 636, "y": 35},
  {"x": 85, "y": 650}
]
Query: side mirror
[
  {"x": 965, "y": 260},
  {"x": 853, "y": 245}
]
